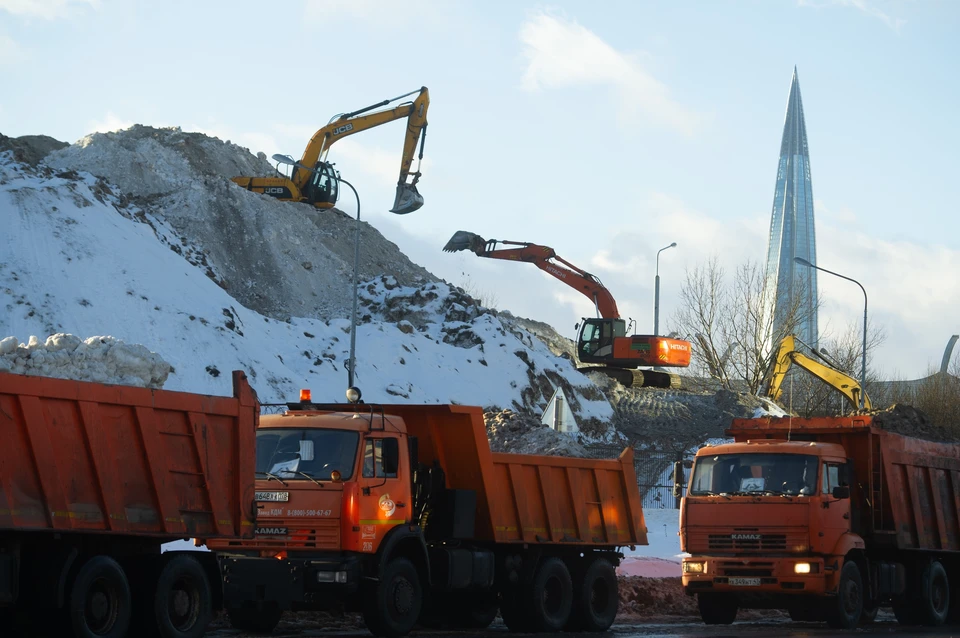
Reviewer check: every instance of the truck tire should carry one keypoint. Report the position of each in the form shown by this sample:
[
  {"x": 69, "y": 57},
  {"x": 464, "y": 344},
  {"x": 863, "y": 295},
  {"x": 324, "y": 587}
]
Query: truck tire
[
  {"x": 99, "y": 600},
  {"x": 513, "y": 612},
  {"x": 717, "y": 609},
  {"x": 391, "y": 607},
  {"x": 844, "y": 610},
  {"x": 255, "y": 621},
  {"x": 596, "y": 597},
  {"x": 550, "y": 598},
  {"x": 934, "y": 604},
  {"x": 183, "y": 604}
]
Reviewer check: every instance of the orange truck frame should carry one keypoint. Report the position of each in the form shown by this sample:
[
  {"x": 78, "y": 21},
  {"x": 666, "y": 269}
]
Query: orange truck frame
[
  {"x": 827, "y": 518},
  {"x": 94, "y": 479},
  {"x": 403, "y": 512}
]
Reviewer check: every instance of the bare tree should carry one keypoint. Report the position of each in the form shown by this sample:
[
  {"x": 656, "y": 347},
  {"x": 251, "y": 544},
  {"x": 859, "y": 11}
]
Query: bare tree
[{"x": 732, "y": 323}]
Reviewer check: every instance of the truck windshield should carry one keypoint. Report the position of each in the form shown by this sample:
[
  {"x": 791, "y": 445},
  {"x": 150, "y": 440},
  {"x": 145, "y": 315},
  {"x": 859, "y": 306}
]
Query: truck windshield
[
  {"x": 790, "y": 474},
  {"x": 306, "y": 454}
]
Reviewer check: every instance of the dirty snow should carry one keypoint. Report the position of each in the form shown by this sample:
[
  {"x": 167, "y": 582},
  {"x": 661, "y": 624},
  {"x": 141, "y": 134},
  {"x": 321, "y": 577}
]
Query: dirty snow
[{"x": 101, "y": 359}]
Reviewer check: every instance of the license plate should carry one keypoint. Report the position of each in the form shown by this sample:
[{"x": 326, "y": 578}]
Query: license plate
[
  {"x": 274, "y": 497},
  {"x": 745, "y": 582}
]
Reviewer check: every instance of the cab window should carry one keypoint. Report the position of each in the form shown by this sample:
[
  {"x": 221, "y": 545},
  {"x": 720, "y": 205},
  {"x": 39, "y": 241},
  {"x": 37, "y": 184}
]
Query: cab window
[
  {"x": 373, "y": 460},
  {"x": 831, "y": 477}
]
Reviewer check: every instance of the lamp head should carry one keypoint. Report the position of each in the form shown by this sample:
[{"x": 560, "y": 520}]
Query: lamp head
[{"x": 802, "y": 262}]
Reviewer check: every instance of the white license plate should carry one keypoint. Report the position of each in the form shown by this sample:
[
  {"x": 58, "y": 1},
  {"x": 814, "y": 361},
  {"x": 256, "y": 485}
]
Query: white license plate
[{"x": 745, "y": 582}]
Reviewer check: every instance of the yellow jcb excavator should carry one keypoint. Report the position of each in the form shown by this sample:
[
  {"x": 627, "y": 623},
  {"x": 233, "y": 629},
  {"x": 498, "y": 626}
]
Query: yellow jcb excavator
[
  {"x": 787, "y": 355},
  {"x": 314, "y": 180}
]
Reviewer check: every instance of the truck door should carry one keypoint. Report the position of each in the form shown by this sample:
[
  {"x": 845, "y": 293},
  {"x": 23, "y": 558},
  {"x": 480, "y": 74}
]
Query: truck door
[
  {"x": 384, "y": 492},
  {"x": 835, "y": 514}
]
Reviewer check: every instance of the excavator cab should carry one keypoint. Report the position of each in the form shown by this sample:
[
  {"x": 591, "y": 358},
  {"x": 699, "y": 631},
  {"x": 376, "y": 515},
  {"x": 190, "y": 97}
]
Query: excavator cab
[
  {"x": 323, "y": 190},
  {"x": 595, "y": 341}
]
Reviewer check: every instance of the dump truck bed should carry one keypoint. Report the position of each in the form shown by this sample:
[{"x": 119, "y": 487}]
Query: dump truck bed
[
  {"x": 915, "y": 483},
  {"x": 88, "y": 457},
  {"x": 526, "y": 498}
]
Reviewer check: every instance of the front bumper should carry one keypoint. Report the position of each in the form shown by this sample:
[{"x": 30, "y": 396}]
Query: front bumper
[
  {"x": 312, "y": 583},
  {"x": 758, "y": 577}
]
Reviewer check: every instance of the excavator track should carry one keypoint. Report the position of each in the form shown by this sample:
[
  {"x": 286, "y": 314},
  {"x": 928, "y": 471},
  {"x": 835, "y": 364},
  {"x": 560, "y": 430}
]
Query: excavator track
[{"x": 638, "y": 378}]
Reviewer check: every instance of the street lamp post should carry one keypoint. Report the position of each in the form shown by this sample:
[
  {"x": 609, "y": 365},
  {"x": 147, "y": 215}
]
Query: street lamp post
[
  {"x": 863, "y": 355},
  {"x": 286, "y": 159},
  {"x": 656, "y": 293}
]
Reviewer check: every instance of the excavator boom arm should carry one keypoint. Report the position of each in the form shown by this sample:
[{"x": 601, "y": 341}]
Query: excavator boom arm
[
  {"x": 788, "y": 355},
  {"x": 544, "y": 258},
  {"x": 349, "y": 124}
]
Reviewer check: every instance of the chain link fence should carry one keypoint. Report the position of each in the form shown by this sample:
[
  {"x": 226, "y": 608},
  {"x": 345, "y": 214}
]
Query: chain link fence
[{"x": 654, "y": 469}]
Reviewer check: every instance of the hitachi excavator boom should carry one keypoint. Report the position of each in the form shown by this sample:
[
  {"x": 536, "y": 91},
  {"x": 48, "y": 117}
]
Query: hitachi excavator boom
[{"x": 601, "y": 340}]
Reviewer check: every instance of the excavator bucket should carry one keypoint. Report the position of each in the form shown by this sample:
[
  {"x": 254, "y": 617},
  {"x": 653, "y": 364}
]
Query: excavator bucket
[
  {"x": 463, "y": 240},
  {"x": 408, "y": 199}
]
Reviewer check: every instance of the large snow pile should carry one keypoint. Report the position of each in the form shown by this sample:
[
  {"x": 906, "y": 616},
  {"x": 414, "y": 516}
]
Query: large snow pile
[
  {"x": 279, "y": 258},
  {"x": 76, "y": 257},
  {"x": 100, "y": 359}
]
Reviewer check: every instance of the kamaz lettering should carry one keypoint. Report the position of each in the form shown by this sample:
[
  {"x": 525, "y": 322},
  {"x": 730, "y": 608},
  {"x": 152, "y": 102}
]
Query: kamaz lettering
[{"x": 745, "y": 537}]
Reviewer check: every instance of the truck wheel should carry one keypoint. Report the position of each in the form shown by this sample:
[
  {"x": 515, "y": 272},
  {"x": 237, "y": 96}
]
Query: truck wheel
[
  {"x": 596, "y": 597},
  {"x": 934, "y": 595},
  {"x": 550, "y": 599},
  {"x": 256, "y": 621},
  {"x": 99, "y": 601},
  {"x": 392, "y": 606},
  {"x": 183, "y": 604},
  {"x": 717, "y": 609},
  {"x": 843, "y": 611},
  {"x": 513, "y": 612}
]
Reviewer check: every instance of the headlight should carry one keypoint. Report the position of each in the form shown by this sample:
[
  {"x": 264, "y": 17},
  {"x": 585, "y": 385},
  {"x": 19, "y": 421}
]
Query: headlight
[
  {"x": 690, "y": 567},
  {"x": 801, "y": 568}
]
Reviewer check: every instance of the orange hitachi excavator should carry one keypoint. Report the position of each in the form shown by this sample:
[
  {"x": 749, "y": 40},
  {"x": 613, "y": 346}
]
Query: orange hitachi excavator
[{"x": 602, "y": 340}]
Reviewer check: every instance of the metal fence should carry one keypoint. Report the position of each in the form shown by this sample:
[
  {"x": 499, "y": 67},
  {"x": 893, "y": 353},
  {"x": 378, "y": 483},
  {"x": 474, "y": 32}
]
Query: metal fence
[{"x": 654, "y": 469}]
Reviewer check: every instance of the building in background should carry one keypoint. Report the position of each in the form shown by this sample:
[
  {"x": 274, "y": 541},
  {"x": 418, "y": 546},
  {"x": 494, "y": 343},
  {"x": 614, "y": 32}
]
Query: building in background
[{"x": 792, "y": 232}]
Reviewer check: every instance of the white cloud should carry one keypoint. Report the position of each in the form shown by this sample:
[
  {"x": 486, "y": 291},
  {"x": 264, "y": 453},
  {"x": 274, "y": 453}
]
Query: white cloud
[
  {"x": 863, "y": 6},
  {"x": 11, "y": 53},
  {"x": 47, "y": 9},
  {"x": 561, "y": 53},
  {"x": 110, "y": 122}
]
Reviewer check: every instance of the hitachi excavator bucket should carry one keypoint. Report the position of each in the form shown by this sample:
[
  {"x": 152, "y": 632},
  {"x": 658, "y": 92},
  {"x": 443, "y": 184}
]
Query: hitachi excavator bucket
[
  {"x": 464, "y": 240},
  {"x": 408, "y": 199}
]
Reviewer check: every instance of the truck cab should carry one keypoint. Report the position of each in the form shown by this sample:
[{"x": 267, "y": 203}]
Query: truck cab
[
  {"x": 332, "y": 490},
  {"x": 767, "y": 524}
]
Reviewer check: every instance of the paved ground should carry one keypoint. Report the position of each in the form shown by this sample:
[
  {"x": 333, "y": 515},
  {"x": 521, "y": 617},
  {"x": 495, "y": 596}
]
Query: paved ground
[{"x": 646, "y": 630}]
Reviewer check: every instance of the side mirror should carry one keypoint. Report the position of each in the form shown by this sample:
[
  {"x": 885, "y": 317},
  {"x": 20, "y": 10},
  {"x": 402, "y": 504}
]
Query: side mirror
[
  {"x": 678, "y": 479},
  {"x": 841, "y": 491},
  {"x": 391, "y": 456}
]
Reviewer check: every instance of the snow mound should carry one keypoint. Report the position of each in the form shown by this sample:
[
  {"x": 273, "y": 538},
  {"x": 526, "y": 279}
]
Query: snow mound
[
  {"x": 100, "y": 359},
  {"x": 282, "y": 259}
]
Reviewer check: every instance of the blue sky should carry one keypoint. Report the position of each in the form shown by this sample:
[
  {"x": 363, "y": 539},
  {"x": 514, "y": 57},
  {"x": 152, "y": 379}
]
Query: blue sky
[{"x": 605, "y": 130}]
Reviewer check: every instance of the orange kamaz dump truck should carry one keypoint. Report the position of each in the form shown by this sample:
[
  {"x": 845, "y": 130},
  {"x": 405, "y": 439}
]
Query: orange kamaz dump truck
[
  {"x": 827, "y": 518},
  {"x": 404, "y": 513},
  {"x": 93, "y": 480}
]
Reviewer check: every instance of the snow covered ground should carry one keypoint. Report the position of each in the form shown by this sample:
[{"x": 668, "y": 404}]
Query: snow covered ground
[{"x": 74, "y": 259}]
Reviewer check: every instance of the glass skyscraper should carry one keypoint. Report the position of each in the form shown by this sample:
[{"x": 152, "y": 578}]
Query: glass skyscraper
[{"x": 792, "y": 232}]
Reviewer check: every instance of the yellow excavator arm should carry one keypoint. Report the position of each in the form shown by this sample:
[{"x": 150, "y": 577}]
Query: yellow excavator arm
[
  {"x": 311, "y": 177},
  {"x": 787, "y": 355},
  {"x": 348, "y": 124}
]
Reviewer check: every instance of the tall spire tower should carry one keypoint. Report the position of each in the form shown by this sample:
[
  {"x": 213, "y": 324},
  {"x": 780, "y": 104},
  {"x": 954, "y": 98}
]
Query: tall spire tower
[{"x": 792, "y": 231}]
